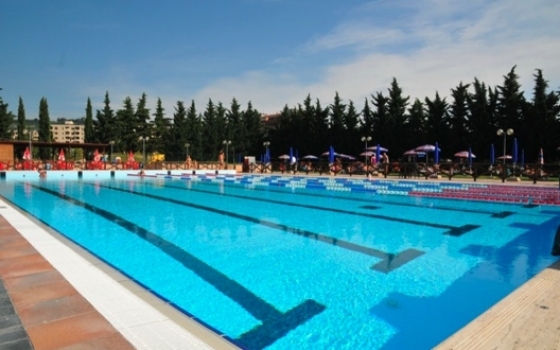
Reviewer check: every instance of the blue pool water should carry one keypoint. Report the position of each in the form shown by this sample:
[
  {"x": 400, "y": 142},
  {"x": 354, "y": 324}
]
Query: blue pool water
[{"x": 303, "y": 263}]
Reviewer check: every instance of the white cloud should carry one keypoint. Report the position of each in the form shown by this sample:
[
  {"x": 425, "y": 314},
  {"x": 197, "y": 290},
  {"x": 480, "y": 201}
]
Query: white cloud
[{"x": 455, "y": 44}]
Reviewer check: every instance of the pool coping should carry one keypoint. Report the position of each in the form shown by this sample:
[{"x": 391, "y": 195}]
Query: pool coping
[
  {"x": 119, "y": 304},
  {"x": 529, "y": 317}
]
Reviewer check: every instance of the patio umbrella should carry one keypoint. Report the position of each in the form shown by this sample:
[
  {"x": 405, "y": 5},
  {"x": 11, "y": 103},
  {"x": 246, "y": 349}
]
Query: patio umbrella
[
  {"x": 61, "y": 155},
  {"x": 331, "y": 154},
  {"x": 310, "y": 157},
  {"x": 436, "y": 160},
  {"x": 492, "y": 154},
  {"x": 464, "y": 154},
  {"x": 470, "y": 157},
  {"x": 267, "y": 155},
  {"x": 522, "y": 158},
  {"x": 378, "y": 151},
  {"x": 426, "y": 148},
  {"x": 375, "y": 148},
  {"x": 291, "y": 154},
  {"x": 411, "y": 152},
  {"x": 514, "y": 150},
  {"x": 541, "y": 157},
  {"x": 26, "y": 154},
  {"x": 507, "y": 156},
  {"x": 367, "y": 154},
  {"x": 346, "y": 156},
  {"x": 284, "y": 156}
]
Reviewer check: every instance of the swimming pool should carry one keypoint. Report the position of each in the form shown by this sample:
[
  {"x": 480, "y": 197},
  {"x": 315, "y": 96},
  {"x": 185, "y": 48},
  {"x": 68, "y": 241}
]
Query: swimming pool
[{"x": 308, "y": 263}]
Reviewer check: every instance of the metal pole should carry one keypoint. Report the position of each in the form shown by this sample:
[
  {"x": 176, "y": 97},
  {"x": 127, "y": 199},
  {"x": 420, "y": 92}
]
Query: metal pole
[{"x": 504, "y": 160}]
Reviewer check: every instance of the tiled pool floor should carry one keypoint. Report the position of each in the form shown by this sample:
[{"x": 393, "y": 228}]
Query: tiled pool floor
[{"x": 87, "y": 313}]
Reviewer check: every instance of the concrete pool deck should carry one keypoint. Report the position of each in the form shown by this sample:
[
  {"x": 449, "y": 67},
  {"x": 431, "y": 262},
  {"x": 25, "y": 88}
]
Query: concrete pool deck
[{"x": 64, "y": 299}]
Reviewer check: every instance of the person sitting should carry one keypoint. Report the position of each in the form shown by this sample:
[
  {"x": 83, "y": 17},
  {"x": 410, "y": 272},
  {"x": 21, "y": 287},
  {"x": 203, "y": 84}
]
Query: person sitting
[
  {"x": 293, "y": 164},
  {"x": 221, "y": 159},
  {"x": 188, "y": 163}
]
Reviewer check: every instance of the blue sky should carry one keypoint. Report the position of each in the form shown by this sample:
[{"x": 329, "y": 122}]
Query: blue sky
[{"x": 268, "y": 52}]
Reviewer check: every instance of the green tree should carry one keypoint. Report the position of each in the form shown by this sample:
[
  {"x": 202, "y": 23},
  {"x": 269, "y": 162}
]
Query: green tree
[
  {"x": 44, "y": 129},
  {"x": 21, "y": 122},
  {"x": 338, "y": 136},
  {"x": 437, "y": 122},
  {"x": 130, "y": 130},
  {"x": 367, "y": 120},
  {"x": 233, "y": 127},
  {"x": 321, "y": 137},
  {"x": 160, "y": 128},
  {"x": 541, "y": 122},
  {"x": 351, "y": 120},
  {"x": 510, "y": 103},
  {"x": 211, "y": 128},
  {"x": 193, "y": 134},
  {"x": 254, "y": 129},
  {"x": 106, "y": 125},
  {"x": 416, "y": 128},
  {"x": 178, "y": 128},
  {"x": 398, "y": 119},
  {"x": 460, "y": 134},
  {"x": 6, "y": 120},
  {"x": 89, "y": 133},
  {"x": 381, "y": 120}
]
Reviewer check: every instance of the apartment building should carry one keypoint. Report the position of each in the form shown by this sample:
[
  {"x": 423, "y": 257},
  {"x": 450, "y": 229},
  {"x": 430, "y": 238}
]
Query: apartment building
[{"x": 67, "y": 132}]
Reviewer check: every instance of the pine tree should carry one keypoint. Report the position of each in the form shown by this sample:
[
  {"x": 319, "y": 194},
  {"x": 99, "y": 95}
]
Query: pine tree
[
  {"x": 459, "y": 136},
  {"x": 396, "y": 109},
  {"x": 233, "y": 127},
  {"x": 178, "y": 130},
  {"x": 44, "y": 129},
  {"x": 89, "y": 133},
  {"x": 161, "y": 128},
  {"x": 129, "y": 128},
  {"x": 106, "y": 125},
  {"x": 193, "y": 133},
  {"x": 210, "y": 132},
  {"x": 437, "y": 121},
  {"x": 21, "y": 122},
  {"x": 6, "y": 120}
]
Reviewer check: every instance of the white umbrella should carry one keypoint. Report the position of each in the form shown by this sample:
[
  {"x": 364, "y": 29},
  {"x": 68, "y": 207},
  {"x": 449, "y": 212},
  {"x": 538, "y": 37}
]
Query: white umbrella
[
  {"x": 284, "y": 156},
  {"x": 309, "y": 156},
  {"x": 464, "y": 154}
]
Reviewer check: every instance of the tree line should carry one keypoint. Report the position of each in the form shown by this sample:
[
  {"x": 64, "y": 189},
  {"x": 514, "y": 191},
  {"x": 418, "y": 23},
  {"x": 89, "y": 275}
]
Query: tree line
[{"x": 470, "y": 118}]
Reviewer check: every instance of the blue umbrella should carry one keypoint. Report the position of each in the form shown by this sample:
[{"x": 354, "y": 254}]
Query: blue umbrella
[
  {"x": 291, "y": 154},
  {"x": 470, "y": 156},
  {"x": 514, "y": 151},
  {"x": 267, "y": 156},
  {"x": 378, "y": 153},
  {"x": 436, "y": 152},
  {"x": 492, "y": 154},
  {"x": 331, "y": 154}
]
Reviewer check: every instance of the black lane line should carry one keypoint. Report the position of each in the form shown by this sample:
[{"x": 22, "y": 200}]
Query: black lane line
[
  {"x": 474, "y": 211},
  {"x": 256, "y": 306},
  {"x": 451, "y": 230},
  {"x": 304, "y": 233}
]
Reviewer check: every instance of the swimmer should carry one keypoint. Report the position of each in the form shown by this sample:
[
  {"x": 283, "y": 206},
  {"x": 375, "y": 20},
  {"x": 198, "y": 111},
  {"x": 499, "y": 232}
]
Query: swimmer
[{"x": 42, "y": 172}]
